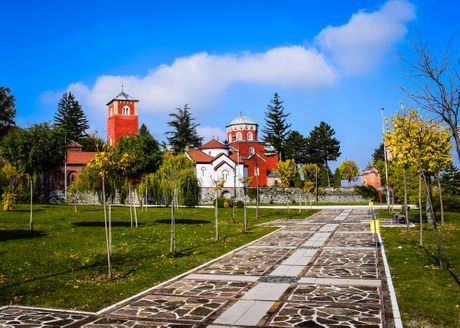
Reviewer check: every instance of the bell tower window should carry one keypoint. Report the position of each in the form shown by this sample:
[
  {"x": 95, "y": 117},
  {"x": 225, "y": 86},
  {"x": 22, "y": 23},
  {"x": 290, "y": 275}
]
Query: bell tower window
[{"x": 125, "y": 110}]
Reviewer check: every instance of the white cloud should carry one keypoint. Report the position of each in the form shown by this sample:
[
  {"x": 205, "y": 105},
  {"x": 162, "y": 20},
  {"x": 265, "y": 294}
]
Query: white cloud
[
  {"x": 359, "y": 46},
  {"x": 201, "y": 79},
  {"x": 209, "y": 132}
]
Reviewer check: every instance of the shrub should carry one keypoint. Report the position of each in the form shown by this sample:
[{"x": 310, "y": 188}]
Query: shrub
[
  {"x": 252, "y": 193},
  {"x": 368, "y": 192},
  {"x": 239, "y": 204},
  {"x": 223, "y": 202},
  {"x": 9, "y": 199}
]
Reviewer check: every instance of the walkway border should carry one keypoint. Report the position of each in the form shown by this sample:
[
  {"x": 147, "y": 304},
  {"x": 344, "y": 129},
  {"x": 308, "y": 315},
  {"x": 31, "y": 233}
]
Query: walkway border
[{"x": 394, "y": 301}]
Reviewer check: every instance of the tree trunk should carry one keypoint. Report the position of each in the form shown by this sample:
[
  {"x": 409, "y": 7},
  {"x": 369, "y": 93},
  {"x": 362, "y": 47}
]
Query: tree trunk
[
  {"x": 430, "y": 204},
  {"x": 217, "y": 217},
  {"x": 110, "y": 234},
  {"x": 327, "y": 174},
  {"x": 257, "y": 194},
  {"x": 300, "y": 202},
  {"x": 107, "y": 238},
  {"x": 456, "y": 139},
  {"x": 406, "y": 211},
  {"x": 135, "y": 213},
  {"x": 316, "y": 187},
  {"x": 129, "y": 203},
  {"x": 420, "y": 207},
  {"x": 244, "y": 215},
  {"x": 31, "y": 219},
  {"x": 172, "y": 246},
  {"x": 440, "y": 198}
]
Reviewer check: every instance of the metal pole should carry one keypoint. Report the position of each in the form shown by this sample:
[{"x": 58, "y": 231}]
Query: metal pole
[
  {"x": 386, "y": 160},
  {"x": 65, "y": 167}
]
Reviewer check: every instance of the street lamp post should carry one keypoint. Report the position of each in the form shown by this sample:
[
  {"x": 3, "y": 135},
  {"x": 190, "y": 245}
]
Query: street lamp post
[{"x": 386, "y": 159}]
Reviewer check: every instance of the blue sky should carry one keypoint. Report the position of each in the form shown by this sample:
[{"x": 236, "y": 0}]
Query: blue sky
[{"x": 335, "y": 61}]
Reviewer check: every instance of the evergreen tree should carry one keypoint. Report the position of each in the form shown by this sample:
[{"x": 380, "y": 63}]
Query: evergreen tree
[
  {"x": 71, "y": 118},
  {"x": 378, "y": 154},
  {"x": 276, "y": 129},
  {"x": 184, "y": 135},
  {"x": 7, "y": 111},
  {"x": 296, "y": 147},
  {"x": 337, "y": 178},
  {"x": 322, "y": 146}
]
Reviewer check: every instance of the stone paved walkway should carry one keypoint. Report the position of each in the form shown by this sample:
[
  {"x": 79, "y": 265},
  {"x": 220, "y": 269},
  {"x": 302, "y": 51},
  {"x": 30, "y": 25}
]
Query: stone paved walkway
[{"x": 323, "y": 271}]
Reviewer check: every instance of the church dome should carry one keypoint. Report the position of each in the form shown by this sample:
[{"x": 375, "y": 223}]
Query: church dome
[{"x": 242, "y": 120}]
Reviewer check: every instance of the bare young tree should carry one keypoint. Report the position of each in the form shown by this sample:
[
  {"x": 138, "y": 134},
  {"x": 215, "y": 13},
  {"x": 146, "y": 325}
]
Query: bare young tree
[{"x": 435, "y": 79}]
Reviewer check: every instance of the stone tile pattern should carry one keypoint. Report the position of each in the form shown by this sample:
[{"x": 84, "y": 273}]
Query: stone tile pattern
[
  {"x": 316, "y": 272},
  {"x": 12, "y": 316}
]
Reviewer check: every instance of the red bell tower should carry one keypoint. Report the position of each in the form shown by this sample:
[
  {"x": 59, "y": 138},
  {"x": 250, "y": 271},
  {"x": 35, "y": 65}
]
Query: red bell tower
[{"x": 122, "y": 119}]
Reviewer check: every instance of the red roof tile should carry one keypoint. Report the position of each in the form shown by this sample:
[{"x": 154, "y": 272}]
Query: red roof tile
[
  {"x": 199, "y": 157},
  {"x": 82, "y": 157},
  {"x": 214, "y": 144}
]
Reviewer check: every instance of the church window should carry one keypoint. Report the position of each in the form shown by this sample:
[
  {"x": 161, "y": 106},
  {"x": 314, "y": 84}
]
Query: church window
[
  {"x": 202, "y": 171},
  {"x": 250, "y": 136},
  {"x": 225, "y": 174},
  {"x": 251, "y": 151},
  {"x": 239, "y": 136},
  {"x": 125, "y": 110}
]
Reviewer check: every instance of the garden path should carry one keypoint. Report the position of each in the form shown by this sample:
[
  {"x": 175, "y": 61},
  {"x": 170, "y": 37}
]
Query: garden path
[{"x": 323, "y": 271}]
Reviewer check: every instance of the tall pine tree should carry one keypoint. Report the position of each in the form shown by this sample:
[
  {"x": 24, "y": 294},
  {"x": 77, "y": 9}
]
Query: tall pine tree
[
  {"x": 7, "y": 111},
  {"x": 296, "y": 147},
  {"x": 276, "y": 129},
  {"x": 71, "y": 118},
  {"x": 184, "y": 135},
  {"x": 322, "y": 146}
]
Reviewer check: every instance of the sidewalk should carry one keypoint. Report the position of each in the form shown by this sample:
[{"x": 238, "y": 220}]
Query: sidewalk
[{"x": 323, "y": 271}]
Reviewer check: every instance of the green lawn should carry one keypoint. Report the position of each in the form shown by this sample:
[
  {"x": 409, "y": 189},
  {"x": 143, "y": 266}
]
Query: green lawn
[
  {"x": 63, "y": 262},
  {"x": 428, "y": 296}
]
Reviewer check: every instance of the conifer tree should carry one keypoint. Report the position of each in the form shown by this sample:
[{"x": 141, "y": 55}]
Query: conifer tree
[
  {"x": 184, "y": 135},
  {"x": 296, "y": 147},
  {"x": 7, "y": 111},
  {"x": 276, "y": 129},
  {"x": 322, "y": 146},
  {"x": 71, "y": 118}
]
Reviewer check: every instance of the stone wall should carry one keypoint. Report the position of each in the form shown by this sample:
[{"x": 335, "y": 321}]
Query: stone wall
[{"x": 281, "y": 196}]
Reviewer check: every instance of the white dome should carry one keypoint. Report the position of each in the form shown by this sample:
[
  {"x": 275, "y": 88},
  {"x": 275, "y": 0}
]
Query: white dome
[{"x": 242, "y": 120}]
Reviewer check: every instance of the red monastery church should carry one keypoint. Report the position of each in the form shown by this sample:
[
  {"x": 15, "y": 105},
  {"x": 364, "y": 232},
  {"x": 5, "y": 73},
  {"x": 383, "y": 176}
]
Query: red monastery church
[
  {"x": 122, "y": 121},
  {"x": 243, "y": 155}
]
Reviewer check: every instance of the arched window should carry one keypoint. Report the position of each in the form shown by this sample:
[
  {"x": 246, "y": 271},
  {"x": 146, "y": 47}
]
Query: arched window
[
  {"x": 251, "y": 151},
  {"x": 229, "y": 138},
  {"x": 125, "y": 110},
  {"x": 202, "y": 171},
  {"x": 250, "y": 136},
  {"x": 239, "y": 136},
  {"x": 225, "y": 174}
]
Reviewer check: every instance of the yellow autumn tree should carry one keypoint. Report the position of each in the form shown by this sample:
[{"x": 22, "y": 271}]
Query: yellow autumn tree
[
  {"x": 103, "y": 164},
  {"x": 287, "y": 172},
  {"x": 425, "y": 144}
]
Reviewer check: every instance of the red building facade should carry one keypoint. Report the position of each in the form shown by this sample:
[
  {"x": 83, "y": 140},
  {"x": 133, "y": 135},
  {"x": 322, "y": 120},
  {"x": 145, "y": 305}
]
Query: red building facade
[
  {"x": 242, "y": 137},
  {"x": 122, "y": 118}
]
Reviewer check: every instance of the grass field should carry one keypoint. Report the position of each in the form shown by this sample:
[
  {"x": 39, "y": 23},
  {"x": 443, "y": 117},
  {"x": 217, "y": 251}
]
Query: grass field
[
  {"x": 63, "y": 262},
  {"x": 428, "y": 296}
]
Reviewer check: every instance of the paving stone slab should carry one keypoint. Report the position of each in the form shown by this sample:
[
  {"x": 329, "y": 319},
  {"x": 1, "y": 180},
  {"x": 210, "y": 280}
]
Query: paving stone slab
[
  {"x": 348, "y": 271},
  {"x": 249, "y": 261},
  {"x": 335, "y": 294},
  {"x": 203, "y": 288},
  {"x": 16, "y": 316},
  {"x": 327, "y": 315},
  {"x": 128, "y": 323},
  {"x": 159, "y": 307},
  {"x": 345, "y": 257}
]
